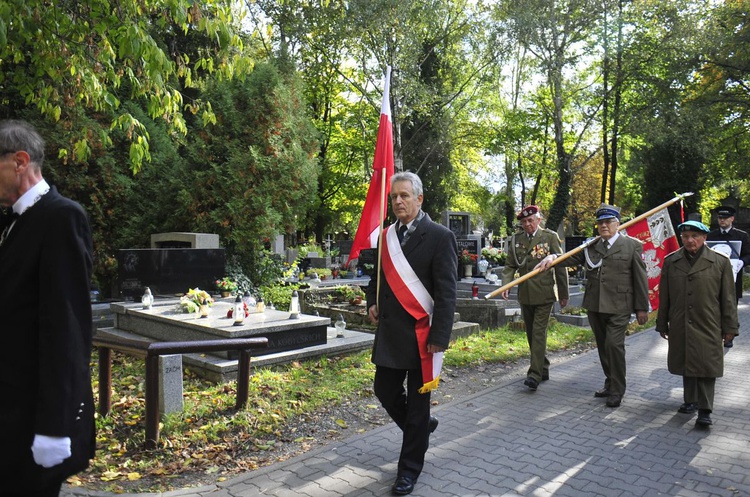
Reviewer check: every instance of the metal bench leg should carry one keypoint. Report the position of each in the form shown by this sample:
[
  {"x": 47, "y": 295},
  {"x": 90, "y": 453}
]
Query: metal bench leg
[
  {"x": 105, "y": 380},
  {"x": 152, "y": 401}
]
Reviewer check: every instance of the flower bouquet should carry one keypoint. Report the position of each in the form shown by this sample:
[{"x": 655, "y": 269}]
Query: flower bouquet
[
  {"x": 195, "y": 299},
  {"x": 226, "y": 284},
  {"x": 494, "y": 255},
  {"x": 467, "y": 257}
]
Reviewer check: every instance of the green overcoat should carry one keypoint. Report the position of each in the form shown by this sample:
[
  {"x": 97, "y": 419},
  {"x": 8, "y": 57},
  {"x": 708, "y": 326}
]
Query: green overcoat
[
  {"x": 697, "y": 307},
  {"x": 524, "y": 255}
]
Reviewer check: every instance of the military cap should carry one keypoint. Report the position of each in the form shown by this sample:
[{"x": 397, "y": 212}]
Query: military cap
[
  {"x": 606, "y": 211},
  {"x": 693, "y": 226},
  {"x": 725, "y": 211},
  {"x": 527, "y": 211}
]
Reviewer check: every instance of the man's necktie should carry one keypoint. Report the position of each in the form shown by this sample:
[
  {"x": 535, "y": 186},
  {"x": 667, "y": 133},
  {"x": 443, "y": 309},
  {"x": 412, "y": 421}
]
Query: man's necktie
[
  {"x": 10, "y": 220},
  {"x": 606, "y": 245},
  {"x": 401, "y": 230}
]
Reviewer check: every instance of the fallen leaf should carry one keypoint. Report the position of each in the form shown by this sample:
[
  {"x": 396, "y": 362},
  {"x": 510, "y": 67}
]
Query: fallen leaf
[{"x": 110, "y": 476}]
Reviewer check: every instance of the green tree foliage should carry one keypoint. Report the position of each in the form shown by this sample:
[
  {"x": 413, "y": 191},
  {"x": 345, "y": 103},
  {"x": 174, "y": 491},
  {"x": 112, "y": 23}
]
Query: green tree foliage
[
  {"x": 253, "y": 173},
  {"x": 723, "y": 87},
  {"x": 70, "y": 58},
  {"x": 673, "y": 162},
  {"x": 557, "y": 34}
]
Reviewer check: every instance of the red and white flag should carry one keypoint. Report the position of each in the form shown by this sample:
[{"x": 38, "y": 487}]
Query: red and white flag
[
  {"x": 376, "y": 202},
  {"x": 659, "y": 240}
]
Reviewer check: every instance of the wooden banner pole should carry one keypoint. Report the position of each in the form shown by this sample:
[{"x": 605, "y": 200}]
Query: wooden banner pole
[{"x": 570, "y": 253}]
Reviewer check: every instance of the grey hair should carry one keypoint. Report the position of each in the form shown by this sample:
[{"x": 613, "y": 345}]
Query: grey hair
[
  {"x": 20, "y": 135},
  {"x": 416, "y": 183}
]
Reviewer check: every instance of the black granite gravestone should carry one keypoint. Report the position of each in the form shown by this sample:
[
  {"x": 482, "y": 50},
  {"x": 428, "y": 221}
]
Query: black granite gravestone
[
  {"x": 167, "y": 271},
  {"x": 367, "y": 256}
]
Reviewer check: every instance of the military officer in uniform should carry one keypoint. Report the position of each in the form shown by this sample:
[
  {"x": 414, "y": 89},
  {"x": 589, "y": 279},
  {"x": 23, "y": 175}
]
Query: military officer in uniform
[
  {"x": 727, "y": 232},
  {"x": 616, "y": 286},
  {"x": 538, "y": 294},
  {"x": 697, "y": 311}
]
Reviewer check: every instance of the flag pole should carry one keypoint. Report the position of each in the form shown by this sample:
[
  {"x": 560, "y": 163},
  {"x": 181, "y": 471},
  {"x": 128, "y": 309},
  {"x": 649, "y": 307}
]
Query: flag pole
[
  {"x": 380, "y": 234},
  {"x": 574, "y": 251},
  {"x": 383, "y": 200}
]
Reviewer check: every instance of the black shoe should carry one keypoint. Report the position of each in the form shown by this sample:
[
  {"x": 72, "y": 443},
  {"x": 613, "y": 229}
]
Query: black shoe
[
  {"x": 545, "y": 376},
  {"x": 704, "y": 418},
  {"x": 531, "y": 383},
  {"x": 688, "y": 408},
  {"x": 729, "y": 344},
  {"x": 433, "y": 424},
  {"x": 614, "y": 400},
  {"x": 404, "y": 485},
  {"x": 602, "y": 393}
]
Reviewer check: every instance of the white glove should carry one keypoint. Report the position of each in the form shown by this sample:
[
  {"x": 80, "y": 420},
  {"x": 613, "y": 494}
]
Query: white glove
[{"x": 50, "y": 451}]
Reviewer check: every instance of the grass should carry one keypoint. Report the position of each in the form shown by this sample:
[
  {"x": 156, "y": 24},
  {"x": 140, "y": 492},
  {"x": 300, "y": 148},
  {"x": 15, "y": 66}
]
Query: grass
[{"x": 209, "y": 436}]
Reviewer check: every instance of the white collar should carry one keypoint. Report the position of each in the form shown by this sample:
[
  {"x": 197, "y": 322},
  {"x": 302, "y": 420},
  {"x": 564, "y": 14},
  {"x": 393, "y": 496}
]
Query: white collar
[
  {"x": 614, "y": 238},
  {"x": 31, "y": 197}
]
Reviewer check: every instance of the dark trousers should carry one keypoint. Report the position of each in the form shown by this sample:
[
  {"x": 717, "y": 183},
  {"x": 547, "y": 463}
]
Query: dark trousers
[
  {"x": 609, "y": 331},
  {"x": 50, "y": 491},
  {"x": 536, "y": 319},
  {"x": 410, "y": 410},
  {"x": 699, "y": 390}
]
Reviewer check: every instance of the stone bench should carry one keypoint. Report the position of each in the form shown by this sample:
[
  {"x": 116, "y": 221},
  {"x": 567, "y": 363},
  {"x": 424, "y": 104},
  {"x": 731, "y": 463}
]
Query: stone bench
[{"x": 128, "y": 343}]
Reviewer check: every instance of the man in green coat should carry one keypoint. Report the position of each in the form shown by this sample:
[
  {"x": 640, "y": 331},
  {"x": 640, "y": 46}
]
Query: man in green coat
[
  {"x": 697, "y": 314},
  {"x": 538, "y": 294},
  {"x": 616, "y": 287}
]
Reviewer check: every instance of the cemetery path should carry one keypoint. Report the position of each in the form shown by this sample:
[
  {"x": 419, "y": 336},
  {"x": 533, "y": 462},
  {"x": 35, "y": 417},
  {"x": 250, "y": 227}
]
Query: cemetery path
[{"x": 338, "y": 422}]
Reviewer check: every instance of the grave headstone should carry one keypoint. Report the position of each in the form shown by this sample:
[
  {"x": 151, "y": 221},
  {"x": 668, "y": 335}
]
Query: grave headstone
[
  {"x": 458, "y": 222},
  {"x": 472, "y": 244},
  {"x": 572, "y": 242},
  {"x": 170, "y": 384},
  {"x": 185, "y": 240},
  {"x": 277, "y": 244},
  {"x": 366, "y": 256},
  {"x": 167, "y": 271},
  {"x": 345, "y": 247}
]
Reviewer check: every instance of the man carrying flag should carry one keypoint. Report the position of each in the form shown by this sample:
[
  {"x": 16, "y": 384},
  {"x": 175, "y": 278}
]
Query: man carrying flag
[
  {"x": 413, "y": 309},
  {"x": 616, "y": 287}
]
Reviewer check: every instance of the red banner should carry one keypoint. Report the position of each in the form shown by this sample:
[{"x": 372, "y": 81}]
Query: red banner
[{"x": 659, "y": 240}]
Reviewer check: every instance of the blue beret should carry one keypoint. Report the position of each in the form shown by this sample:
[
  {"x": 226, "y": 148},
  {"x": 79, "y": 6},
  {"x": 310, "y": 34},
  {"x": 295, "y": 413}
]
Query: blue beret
[{"x": 693, "y": 226}]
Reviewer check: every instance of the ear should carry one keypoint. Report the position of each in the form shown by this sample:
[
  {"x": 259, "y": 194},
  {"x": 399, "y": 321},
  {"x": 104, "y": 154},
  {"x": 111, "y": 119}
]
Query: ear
[{"x": 23, "y": 160}]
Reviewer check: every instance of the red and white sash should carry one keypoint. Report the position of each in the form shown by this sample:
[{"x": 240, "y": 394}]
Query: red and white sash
[{"x": 417, "y": 301}]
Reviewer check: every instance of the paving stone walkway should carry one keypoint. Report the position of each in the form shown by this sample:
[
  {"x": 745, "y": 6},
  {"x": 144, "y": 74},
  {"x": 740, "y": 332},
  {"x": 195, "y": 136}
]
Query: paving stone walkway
[{"x": 558, "y": 441}]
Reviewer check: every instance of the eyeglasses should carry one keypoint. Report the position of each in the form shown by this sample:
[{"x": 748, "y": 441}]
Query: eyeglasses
[{"x": 6, "y": 152}]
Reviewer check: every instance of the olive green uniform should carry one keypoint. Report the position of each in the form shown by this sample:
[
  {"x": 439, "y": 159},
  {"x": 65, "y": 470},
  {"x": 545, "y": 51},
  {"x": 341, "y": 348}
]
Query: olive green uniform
[
  {"x": 697, "y": 306},
  {"x": 538, "y": 294},
  {"x": 616, "y": 286}
]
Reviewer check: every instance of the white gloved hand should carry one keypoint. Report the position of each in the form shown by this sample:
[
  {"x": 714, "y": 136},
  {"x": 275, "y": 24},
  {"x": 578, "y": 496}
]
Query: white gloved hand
[{"x": 50, "y": 451}]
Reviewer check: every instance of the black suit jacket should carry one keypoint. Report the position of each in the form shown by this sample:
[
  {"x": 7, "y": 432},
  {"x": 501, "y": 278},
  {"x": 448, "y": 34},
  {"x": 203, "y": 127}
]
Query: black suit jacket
[
  {"x": 432, "y": 253},
  {"x": 45, "y": 379}
]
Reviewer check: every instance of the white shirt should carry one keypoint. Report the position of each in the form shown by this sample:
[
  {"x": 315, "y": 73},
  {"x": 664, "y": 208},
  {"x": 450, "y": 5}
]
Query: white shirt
[{"x": 31, "y": 197}]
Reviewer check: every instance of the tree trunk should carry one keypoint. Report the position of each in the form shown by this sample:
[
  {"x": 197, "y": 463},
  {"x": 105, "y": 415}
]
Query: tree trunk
[
  {"x": 618, "y": 101},
  {"x": 605, "y": 109},
  {"x": 562, "y": 195}
]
